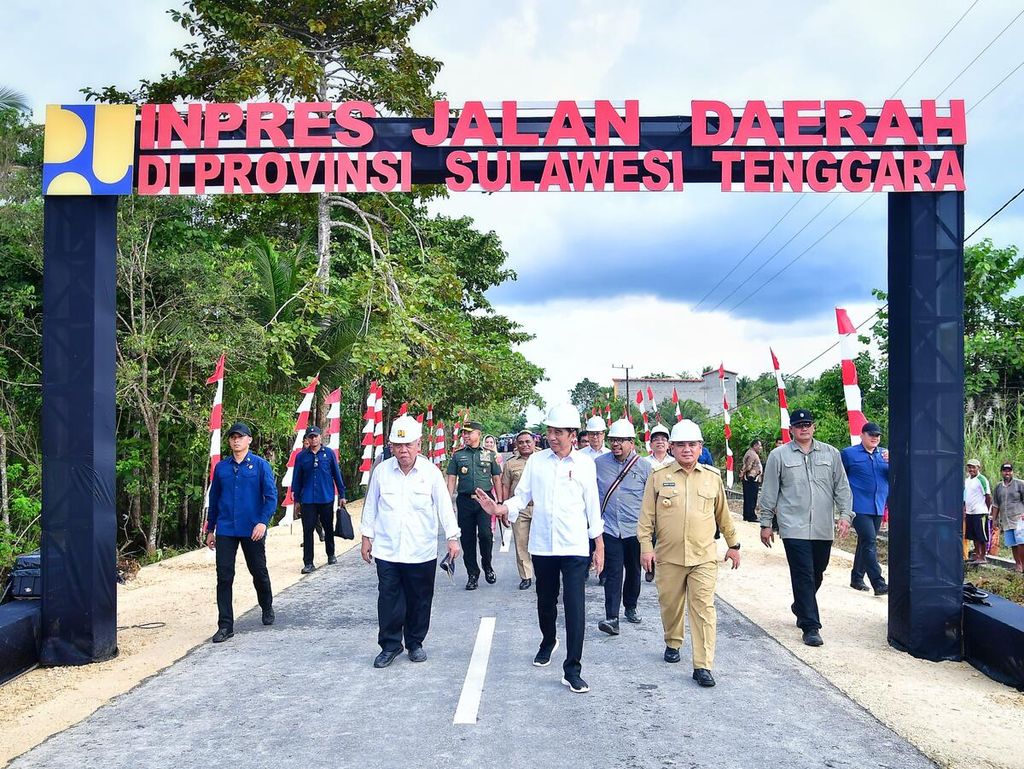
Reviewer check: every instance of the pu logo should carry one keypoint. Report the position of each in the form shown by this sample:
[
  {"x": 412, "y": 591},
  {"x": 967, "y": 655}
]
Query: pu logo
[{"x": 88, "y": 149}]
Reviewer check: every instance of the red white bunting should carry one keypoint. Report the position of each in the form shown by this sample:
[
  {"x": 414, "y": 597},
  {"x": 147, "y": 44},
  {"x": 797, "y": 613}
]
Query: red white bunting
[
  {"x": 301, "y": 423},
  {"x": 783, "y": 406},
  {"x": 851, "y": 388},
  {"x": 675, "y": 400},
  {"x": 727, "y": 427},
  {"x": 216, "y": 415},
  {"x": 369, "y": 423}
]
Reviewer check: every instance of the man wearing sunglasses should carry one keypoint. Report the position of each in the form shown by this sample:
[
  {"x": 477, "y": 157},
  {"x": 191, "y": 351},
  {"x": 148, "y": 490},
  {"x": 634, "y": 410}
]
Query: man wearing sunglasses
[
  {"x": 804, "y": 485},
  {"x": 314, "y": 483}
]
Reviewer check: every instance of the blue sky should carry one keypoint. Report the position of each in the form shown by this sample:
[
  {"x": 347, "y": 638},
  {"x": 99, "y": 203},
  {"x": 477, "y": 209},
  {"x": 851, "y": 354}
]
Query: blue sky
[{"x": 611, "y": 278}]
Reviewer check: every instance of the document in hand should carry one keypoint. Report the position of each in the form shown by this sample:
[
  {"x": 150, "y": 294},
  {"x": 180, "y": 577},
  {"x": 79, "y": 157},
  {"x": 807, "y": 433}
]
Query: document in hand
[{"x": 447, "y": 565}]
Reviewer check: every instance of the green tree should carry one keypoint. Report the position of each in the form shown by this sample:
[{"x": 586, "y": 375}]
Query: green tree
[{"x": 585, "y": 394}]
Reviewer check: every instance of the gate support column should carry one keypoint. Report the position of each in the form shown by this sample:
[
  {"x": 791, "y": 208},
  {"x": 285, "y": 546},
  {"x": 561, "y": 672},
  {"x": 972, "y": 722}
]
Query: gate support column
[
  {"x": 79, "y": 522},
  {"x": 926, "y": 398}
]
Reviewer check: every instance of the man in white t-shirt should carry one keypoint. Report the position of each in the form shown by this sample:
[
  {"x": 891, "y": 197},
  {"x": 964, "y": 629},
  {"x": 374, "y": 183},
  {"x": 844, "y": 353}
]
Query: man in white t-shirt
[{"x": 977, "y": 501}]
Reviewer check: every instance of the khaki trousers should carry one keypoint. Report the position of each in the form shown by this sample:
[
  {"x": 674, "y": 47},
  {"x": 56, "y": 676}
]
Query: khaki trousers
[
  {"x": 521, "y": 534},
  {"x": 694, "y": 586}
]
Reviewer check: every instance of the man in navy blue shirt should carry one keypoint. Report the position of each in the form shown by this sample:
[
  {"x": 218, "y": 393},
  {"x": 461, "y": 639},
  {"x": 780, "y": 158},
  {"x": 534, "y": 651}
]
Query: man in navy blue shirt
[
  {"x": 314, "y": 480},
  {"x": 243, "y": 497},
  {"x": 867, "y": 467}
]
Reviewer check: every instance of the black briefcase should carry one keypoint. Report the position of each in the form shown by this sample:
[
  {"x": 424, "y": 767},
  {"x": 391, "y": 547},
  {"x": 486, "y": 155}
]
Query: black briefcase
[{"x": 343, "y": 524}]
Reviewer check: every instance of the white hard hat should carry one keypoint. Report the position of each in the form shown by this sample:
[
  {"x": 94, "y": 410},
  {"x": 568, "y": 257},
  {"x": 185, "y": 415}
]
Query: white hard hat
[
  {"x": 405, "y": 429},
  {"x": 563, "y": 415},
  {"x": 686, "y": 430},
  {"x": 659, "y": 428},
  {"x": 596, "y": 425},
  {"x": 622, "y": 428}
]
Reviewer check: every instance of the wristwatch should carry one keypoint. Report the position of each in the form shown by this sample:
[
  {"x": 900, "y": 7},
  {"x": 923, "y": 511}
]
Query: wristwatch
[{"x": 735, "y": 547}]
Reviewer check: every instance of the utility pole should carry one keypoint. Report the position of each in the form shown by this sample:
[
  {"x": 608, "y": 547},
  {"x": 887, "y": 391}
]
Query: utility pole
[{"x": 626, "y": 369}]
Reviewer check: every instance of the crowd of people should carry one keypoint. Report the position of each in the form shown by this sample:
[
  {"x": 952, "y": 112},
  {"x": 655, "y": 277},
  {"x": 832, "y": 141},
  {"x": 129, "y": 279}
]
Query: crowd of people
[{"x": 575, "y": 506}]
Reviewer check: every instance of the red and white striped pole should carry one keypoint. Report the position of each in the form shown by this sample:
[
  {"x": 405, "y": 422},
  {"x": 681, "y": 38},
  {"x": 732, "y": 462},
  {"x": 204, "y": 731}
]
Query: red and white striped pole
[
  {"x": 378, "y": 425},
  {"x": 369, "y": 416},
  {"x": 301, "y": 423},
  {"x": 851, "y": 388},
  {"x": 675, "y": 400},
  {"x": 783, "y": 406},
  {"x": 727, "y": 428},
  {"x": 216, "y": 415},
  {"x": 333, "y": 402},
  {"x": 437, "y": 451}
]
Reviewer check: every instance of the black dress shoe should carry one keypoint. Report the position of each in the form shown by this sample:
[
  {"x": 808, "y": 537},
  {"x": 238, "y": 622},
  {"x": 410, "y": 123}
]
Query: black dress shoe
[
  {"x": 632, "y": 616},
  {"x": 859, "y": 586},
  {"x": 671, "y": 655},
  {"x": 703, "y": 677},
  {"x": 576, "y": 684},
  {"x": 471, "y": 582},
  {"x": 385, "y": 658},
  {"x": 417, "y": 654},
  {"x": 812, "y": 638},
  {"x": 609, "y": 626},
  {"x": 222, "y": 635},
  {"x": 526, "y": 584},
  {"x": 882, "y": 589},
  {"x": 491, "y": 577},
  {"x": 543, "y": 658},
  {"x": 308, "y": 569},
  {"x": 269, "y": 616},
  {"x": 332, "y": 559}
]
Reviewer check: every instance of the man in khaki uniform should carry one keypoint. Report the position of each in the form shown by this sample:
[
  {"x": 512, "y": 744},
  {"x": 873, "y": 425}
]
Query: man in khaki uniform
[
  {"x": 510, "y": 475},
  {"x": 682, "y": 504}
]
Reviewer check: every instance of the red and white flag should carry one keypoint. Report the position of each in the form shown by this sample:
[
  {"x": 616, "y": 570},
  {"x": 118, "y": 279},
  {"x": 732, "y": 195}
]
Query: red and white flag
[
  {"x": 727, "y": 428},
  {"x": 403, "y": 409},
  {"x": 650, "y": 400},
  {"x": 851, "y": 388},
  {"x": 301, "y": 423},
  {"x": 369, "y": 421},
  {"x": 639, "y": 403},
  {"x": 216, "y": 415},
  {"x": 675, "y": 400},
  {"x": 783, "y": 406}
]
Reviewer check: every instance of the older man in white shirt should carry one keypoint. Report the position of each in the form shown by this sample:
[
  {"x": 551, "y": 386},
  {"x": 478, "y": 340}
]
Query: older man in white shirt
[
  {"x": 562, "y": 484},
  {"x": 405, "y": 502}
]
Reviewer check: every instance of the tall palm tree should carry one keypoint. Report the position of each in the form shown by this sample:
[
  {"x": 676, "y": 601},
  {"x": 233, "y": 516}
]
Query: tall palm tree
[{"x": 11, "y": 99}]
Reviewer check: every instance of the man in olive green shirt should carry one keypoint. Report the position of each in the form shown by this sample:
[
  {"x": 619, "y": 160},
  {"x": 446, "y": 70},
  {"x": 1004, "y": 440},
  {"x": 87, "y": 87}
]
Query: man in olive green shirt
[
  {"x": 683, "y": 502},
  {"x": 470, "y": 468},
  {"x": 805, "y": 484}
]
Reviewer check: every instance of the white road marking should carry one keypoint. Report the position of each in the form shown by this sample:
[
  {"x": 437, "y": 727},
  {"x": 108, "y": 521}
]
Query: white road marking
[{"x": 473, "y": 686}]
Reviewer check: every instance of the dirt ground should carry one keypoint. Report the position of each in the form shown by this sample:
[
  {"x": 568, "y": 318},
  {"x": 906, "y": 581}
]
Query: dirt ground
[
  {"x": 179, "y": 592},
  {"x": 953, "y": 713}
]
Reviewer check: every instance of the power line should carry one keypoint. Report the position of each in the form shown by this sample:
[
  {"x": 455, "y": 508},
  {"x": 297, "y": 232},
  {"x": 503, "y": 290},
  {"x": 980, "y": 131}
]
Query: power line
[
  {"x": 993, "y": 88},
  {"x": 934, "y": 49},
  {"x": 980, "y": 53},
  {"x": 998, "y": 211}
]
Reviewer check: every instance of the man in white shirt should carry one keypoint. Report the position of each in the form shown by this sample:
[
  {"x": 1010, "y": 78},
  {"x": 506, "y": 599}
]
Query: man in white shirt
[
  {"x": 562, "y": 484},
  {"x": 595, "y": 430},
  {"x": 659, "y": 456},
  {"x": 406, "y": 500}
]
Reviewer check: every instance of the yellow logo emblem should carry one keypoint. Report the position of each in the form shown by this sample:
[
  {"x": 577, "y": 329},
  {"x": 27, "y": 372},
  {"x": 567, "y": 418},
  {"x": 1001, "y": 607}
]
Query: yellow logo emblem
[{"x": 88, "y": 149}]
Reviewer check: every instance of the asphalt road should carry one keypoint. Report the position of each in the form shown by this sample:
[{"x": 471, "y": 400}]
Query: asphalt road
[{"x": 303, "y": 693}]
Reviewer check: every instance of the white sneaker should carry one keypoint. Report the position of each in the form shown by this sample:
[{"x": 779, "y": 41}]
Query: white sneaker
[
  {"x": 577, "y": 685},
  {"x": 542, "y": 660}
]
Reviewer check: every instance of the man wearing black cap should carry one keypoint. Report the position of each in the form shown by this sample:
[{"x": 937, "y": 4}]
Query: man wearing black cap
[
  {"x": 314, "y": 482},
  {"x": 473, "y": 467},
  {"x": 867, "y": 467},
  {"x": 804, "y": 484},
  {"x": 243, "y": 497}
]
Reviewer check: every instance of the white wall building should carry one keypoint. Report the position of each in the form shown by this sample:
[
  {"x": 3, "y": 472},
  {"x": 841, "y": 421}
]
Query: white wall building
[{"x": 705, "y": 390}]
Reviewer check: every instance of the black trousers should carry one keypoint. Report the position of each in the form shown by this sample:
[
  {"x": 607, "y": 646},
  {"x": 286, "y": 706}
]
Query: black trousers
[
  {"x": 808, "y": 559},
  {"x": 255, "y": 559},
  {"x": 865, "y": 560},
  {"x": 314, "y": 513},
  {"x": 568, "y": 572},
  {"x": 750, "y": 489},
  {"x": 405, "y": 593},
  {"x": 475, "y": 525},
  {"x": 621, "y": 573}
]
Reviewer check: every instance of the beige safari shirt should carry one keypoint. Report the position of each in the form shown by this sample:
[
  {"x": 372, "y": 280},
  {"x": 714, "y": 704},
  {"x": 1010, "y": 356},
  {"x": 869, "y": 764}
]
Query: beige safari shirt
[
  {"x": 681, "y": 508},
  {"x": 511, "y": 472}
]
